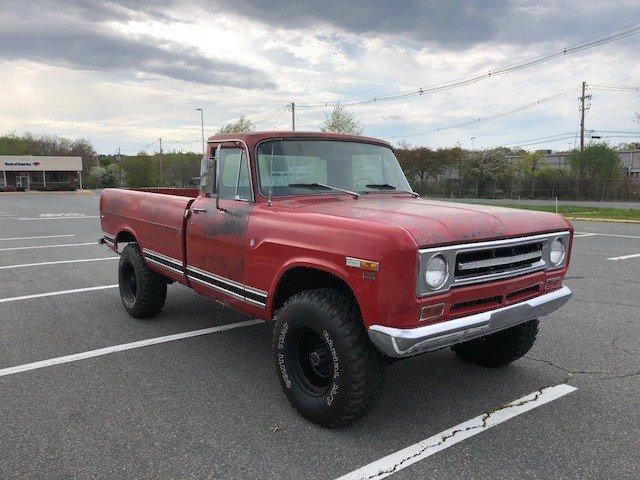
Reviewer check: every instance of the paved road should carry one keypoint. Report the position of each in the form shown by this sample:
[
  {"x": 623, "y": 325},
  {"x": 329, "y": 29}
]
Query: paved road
[
  {"x": 211, "y": 407},
  {"x": 509, "y": 201}
]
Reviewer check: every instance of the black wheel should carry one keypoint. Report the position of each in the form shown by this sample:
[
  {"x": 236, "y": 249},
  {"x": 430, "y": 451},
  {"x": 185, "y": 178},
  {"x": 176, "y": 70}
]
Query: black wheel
[
  {"x": 327, "y": 367},
  {"x": 500, "y": 348},
  {"x": 142, "y": 290}
]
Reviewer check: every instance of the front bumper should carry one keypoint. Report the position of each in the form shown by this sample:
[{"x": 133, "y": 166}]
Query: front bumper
[{"x": 397, "y": 342}]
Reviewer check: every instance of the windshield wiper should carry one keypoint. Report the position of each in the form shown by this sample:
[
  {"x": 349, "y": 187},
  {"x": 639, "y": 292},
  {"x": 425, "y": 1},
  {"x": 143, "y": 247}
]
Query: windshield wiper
[
  {"x": 323, "y": 185},
  {"x": 388, "y": 186}
]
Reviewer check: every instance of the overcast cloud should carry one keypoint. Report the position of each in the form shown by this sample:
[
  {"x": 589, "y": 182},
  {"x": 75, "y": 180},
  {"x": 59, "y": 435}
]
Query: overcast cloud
[{"x": 123, "y": 72}]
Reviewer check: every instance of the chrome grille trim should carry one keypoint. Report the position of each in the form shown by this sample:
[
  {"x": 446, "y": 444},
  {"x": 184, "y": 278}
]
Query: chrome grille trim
[
  {"x": 495, "y": 262},
  {"x": 497, "y": 267}
]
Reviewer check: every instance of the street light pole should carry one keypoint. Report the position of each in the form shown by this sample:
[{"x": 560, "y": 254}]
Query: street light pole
[{"x": 202, "y": 127}]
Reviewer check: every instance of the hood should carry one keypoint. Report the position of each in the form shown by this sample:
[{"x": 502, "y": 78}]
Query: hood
[{"x": 433, "y": 222}]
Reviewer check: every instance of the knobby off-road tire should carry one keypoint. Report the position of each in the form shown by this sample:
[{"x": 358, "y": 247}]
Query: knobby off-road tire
[
  {"x": 501, "y": 348},
  {"x": 327, "y": 367},
  {"x": 142, "y": 290}
]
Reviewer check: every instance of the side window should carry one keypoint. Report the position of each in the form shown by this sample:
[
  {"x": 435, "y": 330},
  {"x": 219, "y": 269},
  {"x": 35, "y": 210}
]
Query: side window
[{"x": 234, "y": 175}]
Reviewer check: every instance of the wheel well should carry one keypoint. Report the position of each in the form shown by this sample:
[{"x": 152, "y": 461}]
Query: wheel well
[
  {"x": 125, "y": 237},
  {"x": 299, "y": 279}
]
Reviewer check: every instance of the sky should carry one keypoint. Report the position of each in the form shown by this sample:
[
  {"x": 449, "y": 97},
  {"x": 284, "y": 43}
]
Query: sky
[{"x": 123, "y": 73}]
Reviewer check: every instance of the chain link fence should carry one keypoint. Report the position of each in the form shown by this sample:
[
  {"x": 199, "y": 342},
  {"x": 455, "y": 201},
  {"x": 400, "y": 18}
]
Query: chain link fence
[{"x": 566, "y": 189}]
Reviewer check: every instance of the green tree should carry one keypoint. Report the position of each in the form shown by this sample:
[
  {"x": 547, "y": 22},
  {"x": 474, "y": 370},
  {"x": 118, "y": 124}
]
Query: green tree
[
  {"x": 528, "y": 164},
  {"x": 485, "y": 168},
  {"x": 29, "y": 144},
  {"x": 140, "y": 171},
  {"x": 595, "y": 162},
  {"x": 341, "y": 121},
  {"x": 243, "y": 124}
]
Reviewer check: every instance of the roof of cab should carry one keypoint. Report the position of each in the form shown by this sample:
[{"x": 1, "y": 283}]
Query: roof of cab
[{"x": 252, "y": 138}]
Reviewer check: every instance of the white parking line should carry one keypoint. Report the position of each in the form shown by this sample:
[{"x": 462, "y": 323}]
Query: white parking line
[
  {"x": 624, "y": 257},
  {"x": 419, "y": 451},
  {"x": 591, "y": 234},
  {"x": 59, "y": 292},
  {"x": 39, "y": 264},
  {"x": 31, "y": 238},
  {"x": 125, "y": 346},
  {"x": 56, "y": 218},
  {"x": 32, "y": 247}
]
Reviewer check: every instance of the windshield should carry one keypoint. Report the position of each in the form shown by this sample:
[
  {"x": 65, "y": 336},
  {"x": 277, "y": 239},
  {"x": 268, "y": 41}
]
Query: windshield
[{"x": 312, "y": 167}]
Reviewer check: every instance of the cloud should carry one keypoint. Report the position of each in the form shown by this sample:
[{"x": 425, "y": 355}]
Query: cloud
[
  {"x": 455, "y": 25},
  {"x": 68, "y": 39}
]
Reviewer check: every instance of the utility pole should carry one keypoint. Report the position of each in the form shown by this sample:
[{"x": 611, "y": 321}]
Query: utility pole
[
  {"x": 161, "y": 162},
  {"x": 119, "y": 163},
  {"x": 202, "y": 127},
  {"x": 583, "y": 97},
  {"x": 293, "y": 116}
]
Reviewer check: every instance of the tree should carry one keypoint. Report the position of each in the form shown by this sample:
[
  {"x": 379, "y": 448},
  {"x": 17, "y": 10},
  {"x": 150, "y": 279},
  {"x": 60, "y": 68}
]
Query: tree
[
  {"x": 243, "y": 124},
  {"x": 140, "y": 171},
  {"x": 341, "y": 121},
  {"x": 28, "y": 144},
  {"x": 595, "y": 161},
  {"x": 484, "y": 168},
  {"x": 528, "y": 164}
]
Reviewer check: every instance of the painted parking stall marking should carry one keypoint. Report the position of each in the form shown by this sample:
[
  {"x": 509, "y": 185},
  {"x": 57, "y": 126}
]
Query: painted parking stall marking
[
  {"x": 59, "y": 292},
  {"x": 401, "y": 459},
  {"x": 34, "y": 247},
  {"x": 58, "y": 262},
  {"x": 122, "y": 347},
  {"x": 38, "y": 237},
  {"x": 625, "y": 257}
]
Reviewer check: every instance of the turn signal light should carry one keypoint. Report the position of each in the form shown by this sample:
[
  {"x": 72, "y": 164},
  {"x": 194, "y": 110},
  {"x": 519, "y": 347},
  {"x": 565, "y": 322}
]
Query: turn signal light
[
  {"x": 553, "y": 283},
  {"x": 432, "y": 311}
]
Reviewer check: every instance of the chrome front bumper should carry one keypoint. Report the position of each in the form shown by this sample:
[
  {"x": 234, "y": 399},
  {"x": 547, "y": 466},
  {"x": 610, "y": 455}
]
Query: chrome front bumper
[{"x": 397, "y": 342}]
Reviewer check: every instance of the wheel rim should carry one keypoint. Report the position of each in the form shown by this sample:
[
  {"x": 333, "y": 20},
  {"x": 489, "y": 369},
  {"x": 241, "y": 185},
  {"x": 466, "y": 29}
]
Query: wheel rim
[
  {"x": 311, "y": 362},
  {"x": 129, "y": 283}
]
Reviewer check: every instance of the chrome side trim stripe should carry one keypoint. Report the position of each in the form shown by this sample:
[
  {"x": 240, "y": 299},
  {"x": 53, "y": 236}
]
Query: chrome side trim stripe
[
  {"x": 251, "y": 295},
  {"x": 109, "y": 238}
]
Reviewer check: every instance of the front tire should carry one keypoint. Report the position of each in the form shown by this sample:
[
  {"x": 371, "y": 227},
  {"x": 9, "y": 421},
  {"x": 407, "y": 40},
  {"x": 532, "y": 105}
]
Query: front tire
[
  {"x": 142, "y": 290},
  {"x": 327, "y": 367},
  {"x": 501, "y": 348}
]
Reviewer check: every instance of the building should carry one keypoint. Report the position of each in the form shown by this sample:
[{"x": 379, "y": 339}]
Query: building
[
  {"x": 26, "y": 172},
  {"x": 630, "y": 160}
]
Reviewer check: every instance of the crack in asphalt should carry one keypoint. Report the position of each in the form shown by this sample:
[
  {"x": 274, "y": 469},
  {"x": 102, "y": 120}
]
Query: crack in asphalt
[
  {"x": 617, "y": 347},
  {"x": 573, "y": 372},
  {"x": 482, "y": 425}
]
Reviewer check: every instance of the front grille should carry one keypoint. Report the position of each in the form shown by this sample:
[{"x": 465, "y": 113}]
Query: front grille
[
  {"x": 481, "y": 262},
  {"x": 497, "y": 260}
]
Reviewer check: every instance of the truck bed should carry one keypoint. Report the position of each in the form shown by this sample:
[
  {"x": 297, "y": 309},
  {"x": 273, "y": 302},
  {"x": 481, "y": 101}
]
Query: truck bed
[{"x": 155, "y": 218}]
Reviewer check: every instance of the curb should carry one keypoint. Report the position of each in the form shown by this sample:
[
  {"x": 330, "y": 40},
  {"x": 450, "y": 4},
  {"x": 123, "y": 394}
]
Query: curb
[{"x": 596, "y": 219}]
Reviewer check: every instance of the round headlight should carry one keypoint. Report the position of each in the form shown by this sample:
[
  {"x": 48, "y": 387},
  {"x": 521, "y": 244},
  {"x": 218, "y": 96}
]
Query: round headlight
[
  {"x": 557, "y": 252},
  {"x": 436, "y": 272}
]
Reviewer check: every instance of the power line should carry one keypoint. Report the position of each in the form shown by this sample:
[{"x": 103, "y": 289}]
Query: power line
[
  {"x": 490, "y": 117},
  {"x": 555, "y": 137},
  {"x": 509, "y": 68}
]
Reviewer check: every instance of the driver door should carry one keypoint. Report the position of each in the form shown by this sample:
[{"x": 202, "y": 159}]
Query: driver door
[{"x": 216, "y": 230}]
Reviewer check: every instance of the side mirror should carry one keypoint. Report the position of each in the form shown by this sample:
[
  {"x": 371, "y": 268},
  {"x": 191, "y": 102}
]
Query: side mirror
[{"x": 216, "y": 180}]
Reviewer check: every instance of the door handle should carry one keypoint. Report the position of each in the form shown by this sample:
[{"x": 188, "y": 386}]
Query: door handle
[{"x": 199, "y": 210}]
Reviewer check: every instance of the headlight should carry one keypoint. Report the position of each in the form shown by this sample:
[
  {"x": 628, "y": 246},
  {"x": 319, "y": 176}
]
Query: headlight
[
  {"x": 557, "y": 252},
  {"x": 436, "y": 272}
]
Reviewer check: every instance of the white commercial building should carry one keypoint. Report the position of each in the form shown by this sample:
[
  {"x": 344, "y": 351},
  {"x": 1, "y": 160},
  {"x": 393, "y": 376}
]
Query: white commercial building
[{"x": 27, "y": 172}]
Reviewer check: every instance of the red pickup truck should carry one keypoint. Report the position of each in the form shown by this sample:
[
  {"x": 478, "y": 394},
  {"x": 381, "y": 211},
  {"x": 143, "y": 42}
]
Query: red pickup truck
[{"x": 321, "y": 234}]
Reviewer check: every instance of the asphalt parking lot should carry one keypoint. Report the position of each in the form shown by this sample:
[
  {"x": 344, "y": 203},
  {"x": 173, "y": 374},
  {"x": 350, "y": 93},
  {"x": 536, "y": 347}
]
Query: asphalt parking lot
[{"x": 210, "y": 406}]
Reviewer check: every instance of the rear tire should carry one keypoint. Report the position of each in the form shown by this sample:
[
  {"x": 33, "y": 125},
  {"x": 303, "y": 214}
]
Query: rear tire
[
  {"x": 142, "y": 290},
  {"x": 327, "y": 367},
  {"x": 501, "y": 348}
]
